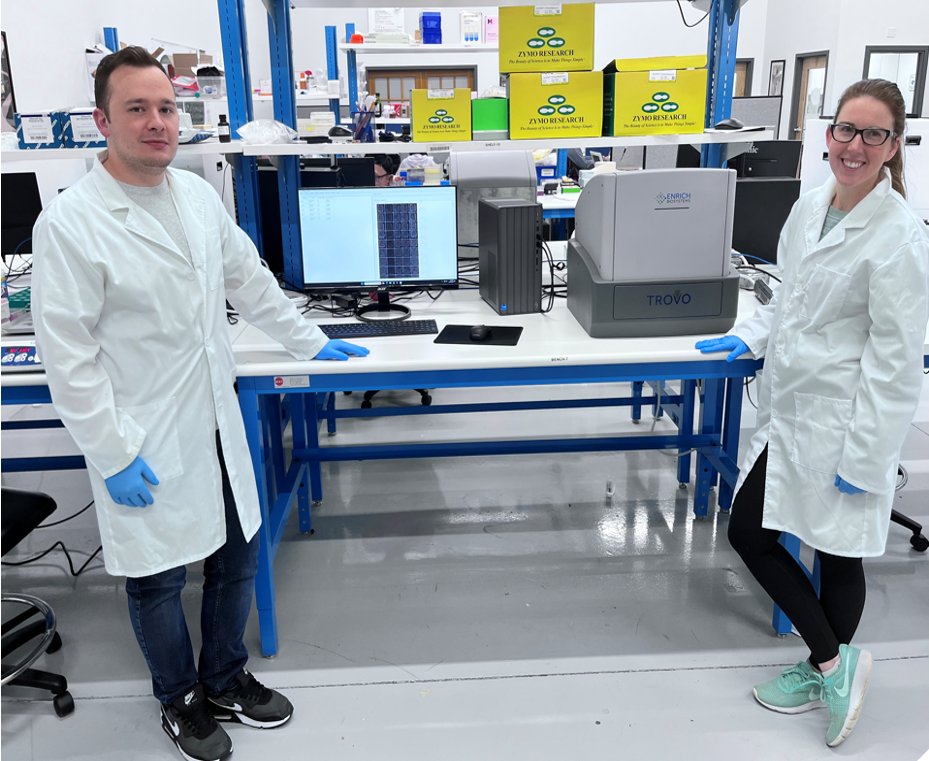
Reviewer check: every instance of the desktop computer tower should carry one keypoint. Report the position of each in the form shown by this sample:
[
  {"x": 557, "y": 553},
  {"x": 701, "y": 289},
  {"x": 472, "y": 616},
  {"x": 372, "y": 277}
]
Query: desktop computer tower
[{"x": 510, "y": 254}]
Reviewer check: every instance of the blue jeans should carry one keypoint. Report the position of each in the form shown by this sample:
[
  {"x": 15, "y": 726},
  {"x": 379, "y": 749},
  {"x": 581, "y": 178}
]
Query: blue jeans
[{"x": 158, "y": 617}]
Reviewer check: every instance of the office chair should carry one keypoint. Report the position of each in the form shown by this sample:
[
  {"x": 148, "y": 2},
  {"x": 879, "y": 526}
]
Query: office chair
[
  {"x": 918, "y": 541},
  {"x": 23, "y": 511},
  {"x": 369, "y": 395}
]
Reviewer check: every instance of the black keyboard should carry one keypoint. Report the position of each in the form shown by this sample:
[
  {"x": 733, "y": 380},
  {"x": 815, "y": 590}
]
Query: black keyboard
[{"x": 350, "y": 330}]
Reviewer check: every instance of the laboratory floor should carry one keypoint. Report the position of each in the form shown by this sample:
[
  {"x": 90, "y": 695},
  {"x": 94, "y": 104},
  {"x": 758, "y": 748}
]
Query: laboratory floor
[{"x": 486, "y": 609}]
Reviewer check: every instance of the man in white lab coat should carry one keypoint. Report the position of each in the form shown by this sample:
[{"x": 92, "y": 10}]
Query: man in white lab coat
[{"x": 133, "y": 268}]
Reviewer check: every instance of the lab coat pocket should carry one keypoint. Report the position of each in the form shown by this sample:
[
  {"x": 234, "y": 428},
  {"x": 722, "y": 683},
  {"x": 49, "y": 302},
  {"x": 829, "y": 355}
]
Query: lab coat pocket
[
  {"x": 820, "y": 426},
  {"x": 161, "y": 449},
  {"x": 824, "y": 295}
]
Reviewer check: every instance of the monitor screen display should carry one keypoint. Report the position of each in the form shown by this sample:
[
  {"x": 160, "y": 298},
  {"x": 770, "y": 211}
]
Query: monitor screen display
[{"x": 379, "y": 237}]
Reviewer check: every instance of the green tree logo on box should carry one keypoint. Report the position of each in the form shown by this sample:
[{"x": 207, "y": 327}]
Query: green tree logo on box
[
  {"x": 661, "y": 101},
  {"x": 441, "y": 115},
  {"x": 557, "y": 103}
]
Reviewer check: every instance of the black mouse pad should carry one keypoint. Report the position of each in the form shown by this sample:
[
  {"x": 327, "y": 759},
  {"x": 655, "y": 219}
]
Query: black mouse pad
[{"x": 500, "y": 335}]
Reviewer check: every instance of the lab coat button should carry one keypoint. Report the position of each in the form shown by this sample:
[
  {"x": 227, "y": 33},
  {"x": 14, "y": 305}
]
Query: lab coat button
[
  {"x": 773, "y": 413},
  {"x": 191, "y": 276}
]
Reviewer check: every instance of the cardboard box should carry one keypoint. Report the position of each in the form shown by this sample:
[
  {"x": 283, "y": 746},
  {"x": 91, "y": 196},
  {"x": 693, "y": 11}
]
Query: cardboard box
[
  {"x": 563, "y": 104},
  {"x": 489, "y": 114},
  {"x": 654, "y": 96},
  {"x": 80, "y": 129},
  {"x": 441, "y": 116},
  {"x": 547, "y": 38},
  {"x": 41, "y": 129}
]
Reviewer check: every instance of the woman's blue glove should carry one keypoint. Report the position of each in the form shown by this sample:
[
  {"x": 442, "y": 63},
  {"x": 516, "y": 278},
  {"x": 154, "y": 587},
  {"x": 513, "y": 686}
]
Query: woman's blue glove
[
  {"x": 337, "y": 349},
  {"x": 128, "y": 487},
  {"x": 733, "y": 344},
  {"x": 845, "y": 487}
]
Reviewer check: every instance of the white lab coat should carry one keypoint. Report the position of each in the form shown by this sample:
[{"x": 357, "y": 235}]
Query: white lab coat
[
  {"x": 134, "y": 342},
  {"x": 843, "y": 348}
]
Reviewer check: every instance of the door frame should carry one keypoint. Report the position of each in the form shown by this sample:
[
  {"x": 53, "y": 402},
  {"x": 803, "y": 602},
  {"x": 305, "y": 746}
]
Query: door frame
[
  {"x": 749, "y": 73},
  {"x": 922, "y": 52},
  {"x": 795, "y": 94}
]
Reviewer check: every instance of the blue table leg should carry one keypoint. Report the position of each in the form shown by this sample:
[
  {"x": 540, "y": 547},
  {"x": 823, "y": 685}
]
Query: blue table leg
[
  {"x": 637, "y": 395},
  {"x": 688, "y": 391},
  {"x": 249, "y": 402},
  {"x": 312, "y": 431},
  {"x": 298, "y": 404},
  {"x": 276, "y": 440},
  {"x": 330, "y": 408},
  {"x": 732, "y": 420},
  {"x": 711, "y": 415}
]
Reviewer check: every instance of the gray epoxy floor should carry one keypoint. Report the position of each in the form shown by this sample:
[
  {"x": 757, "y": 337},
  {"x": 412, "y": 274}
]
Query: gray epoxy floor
[{"x": 492, "y": 608}]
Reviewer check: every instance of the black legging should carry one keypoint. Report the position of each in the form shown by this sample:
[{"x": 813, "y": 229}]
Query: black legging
[{"x": 824, "y": 622}]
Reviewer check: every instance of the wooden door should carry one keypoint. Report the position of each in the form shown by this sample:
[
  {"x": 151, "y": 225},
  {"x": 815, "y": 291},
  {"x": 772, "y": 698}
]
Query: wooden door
[
  {"x": 394, "y": 85},
  {"x": 810, "y": 93}
]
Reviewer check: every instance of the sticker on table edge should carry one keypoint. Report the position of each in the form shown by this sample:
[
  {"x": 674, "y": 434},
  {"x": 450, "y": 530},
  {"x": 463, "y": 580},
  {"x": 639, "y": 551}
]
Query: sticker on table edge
[{"x": 292, "y": 381}]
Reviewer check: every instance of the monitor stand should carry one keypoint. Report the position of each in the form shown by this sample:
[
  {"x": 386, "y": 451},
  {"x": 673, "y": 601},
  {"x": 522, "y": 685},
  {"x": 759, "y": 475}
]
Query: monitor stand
[{"x": 381, "y": 308}]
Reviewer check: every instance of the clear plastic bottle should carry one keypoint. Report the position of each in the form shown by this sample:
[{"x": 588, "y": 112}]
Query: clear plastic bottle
[
  {"x": 400, "y": 179},
  {"x": 415, "y": 175}
]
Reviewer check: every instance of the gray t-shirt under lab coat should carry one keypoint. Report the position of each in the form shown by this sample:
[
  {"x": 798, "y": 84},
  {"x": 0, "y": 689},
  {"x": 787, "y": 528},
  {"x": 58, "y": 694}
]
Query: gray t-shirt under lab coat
[{"x": 159, "y": 202}]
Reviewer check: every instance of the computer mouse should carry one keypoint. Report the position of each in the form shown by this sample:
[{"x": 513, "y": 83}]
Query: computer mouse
[
  {"x": 730, "y": 123},
  {"x": 480, "y": 333}
]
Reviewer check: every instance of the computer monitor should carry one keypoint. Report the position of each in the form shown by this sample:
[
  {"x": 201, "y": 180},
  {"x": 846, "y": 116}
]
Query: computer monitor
[
  {"x": 771, "y": 158},
  {"x": 762, "y": 205},
  {"x": 355, "y": 172},
  {"x": 21, "y": 206},
  {"x": 367, "y": 239}
]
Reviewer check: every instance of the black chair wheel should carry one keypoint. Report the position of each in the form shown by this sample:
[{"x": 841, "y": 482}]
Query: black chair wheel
[
  {"x": 64, "y": 704},
  {"x": 55, "y": 645},
  {"x": 427, "y": 400},
  {"x": 919, "y": 542},
  {"x": 347, "y": 393},
  {"x": 366, "y": 405}
]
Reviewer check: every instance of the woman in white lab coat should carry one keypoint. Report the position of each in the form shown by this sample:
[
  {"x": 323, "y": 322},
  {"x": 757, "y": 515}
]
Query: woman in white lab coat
[{"x": 843, "y": 345}]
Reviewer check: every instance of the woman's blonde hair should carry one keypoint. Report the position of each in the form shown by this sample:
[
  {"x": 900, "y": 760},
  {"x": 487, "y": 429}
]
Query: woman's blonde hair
[{"x": 888, "y": 94}]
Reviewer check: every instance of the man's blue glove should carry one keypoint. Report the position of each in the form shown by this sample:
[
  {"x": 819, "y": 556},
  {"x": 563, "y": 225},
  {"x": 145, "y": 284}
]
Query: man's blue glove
[
  {"x": 337, "y": 349},
  {"x": 845, "y": 487},
  {"x": 128, "y": 487},
  {"x": 733, "y": 344}
]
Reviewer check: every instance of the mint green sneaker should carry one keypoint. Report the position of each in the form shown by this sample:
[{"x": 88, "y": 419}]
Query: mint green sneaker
[
  {"x": 795, "y": 690},
  {"x": 845, "y": 691}
]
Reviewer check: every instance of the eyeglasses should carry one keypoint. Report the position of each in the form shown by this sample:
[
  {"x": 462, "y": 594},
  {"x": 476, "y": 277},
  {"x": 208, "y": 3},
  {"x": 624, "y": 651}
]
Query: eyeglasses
[
  {"x": 874, "y": 136},
  {"x": 381, "y": 177}
]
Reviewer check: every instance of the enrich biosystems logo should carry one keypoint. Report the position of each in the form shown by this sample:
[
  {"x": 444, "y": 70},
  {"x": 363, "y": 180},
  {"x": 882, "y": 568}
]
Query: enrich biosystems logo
[
  {"x": 659, "y": 108},
  {"x": 546, "y": 44},
  {"x": 557, "y": 111}
]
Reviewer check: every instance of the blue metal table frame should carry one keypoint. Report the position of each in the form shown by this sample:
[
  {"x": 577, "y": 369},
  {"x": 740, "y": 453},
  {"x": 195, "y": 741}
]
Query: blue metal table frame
[{"x": 706, "y": 410}]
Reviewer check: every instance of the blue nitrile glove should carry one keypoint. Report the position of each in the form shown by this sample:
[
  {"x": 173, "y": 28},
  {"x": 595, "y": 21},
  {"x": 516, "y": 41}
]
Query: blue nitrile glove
[
  {"x": 337, "y": 349},
  {"x": 844, "y": 486},
  {"x": 733, "y": 344},
  {"x": 128, "y": 487}
]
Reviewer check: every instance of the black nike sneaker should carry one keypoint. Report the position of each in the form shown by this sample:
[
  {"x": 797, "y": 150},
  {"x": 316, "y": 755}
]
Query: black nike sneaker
[
  {"x": 189, "y": 723},
  {"x": 251, "y": 703}
]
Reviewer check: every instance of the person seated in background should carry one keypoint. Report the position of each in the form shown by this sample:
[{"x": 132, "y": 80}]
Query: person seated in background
[
  {"x": 385, "y": 167},
  {"x": 578, "y": 160}
]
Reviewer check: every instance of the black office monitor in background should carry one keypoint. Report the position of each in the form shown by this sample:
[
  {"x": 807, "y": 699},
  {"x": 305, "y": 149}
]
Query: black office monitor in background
[
  {"x": 314, "y": 173},
  {"x": 772, "y": 158},
  {"x": 762, "y": 205},
  {"x": 21, "y": 206}
]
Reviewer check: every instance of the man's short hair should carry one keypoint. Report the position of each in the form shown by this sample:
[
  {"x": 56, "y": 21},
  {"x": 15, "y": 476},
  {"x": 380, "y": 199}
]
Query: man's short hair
[
  {"x": 132, "y": 55},
  {"x": 388, "y": 162}
]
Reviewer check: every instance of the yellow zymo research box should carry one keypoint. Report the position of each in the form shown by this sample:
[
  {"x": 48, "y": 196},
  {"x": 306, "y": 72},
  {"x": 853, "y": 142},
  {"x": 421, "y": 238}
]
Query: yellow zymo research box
[
  {"x": 555, "y": 104},
  {"x": 547, "y": 38},
  {"x": 441, "y": 115},
  {"x": 654, "y": 96}
]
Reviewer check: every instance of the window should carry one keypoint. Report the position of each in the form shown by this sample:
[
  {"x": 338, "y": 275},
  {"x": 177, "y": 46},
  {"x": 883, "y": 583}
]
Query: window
[
  {"x": 394, "y": 85},
  {"x": 904, "y": 65}
]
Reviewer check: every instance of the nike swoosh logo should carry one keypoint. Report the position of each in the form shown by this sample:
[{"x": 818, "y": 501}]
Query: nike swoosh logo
[
  {"x": 236, "y": 707},
  {"x": 843, "y": 690},
  {"x": 814, "y": 694},
  {"x": 174, "y": 728}
]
